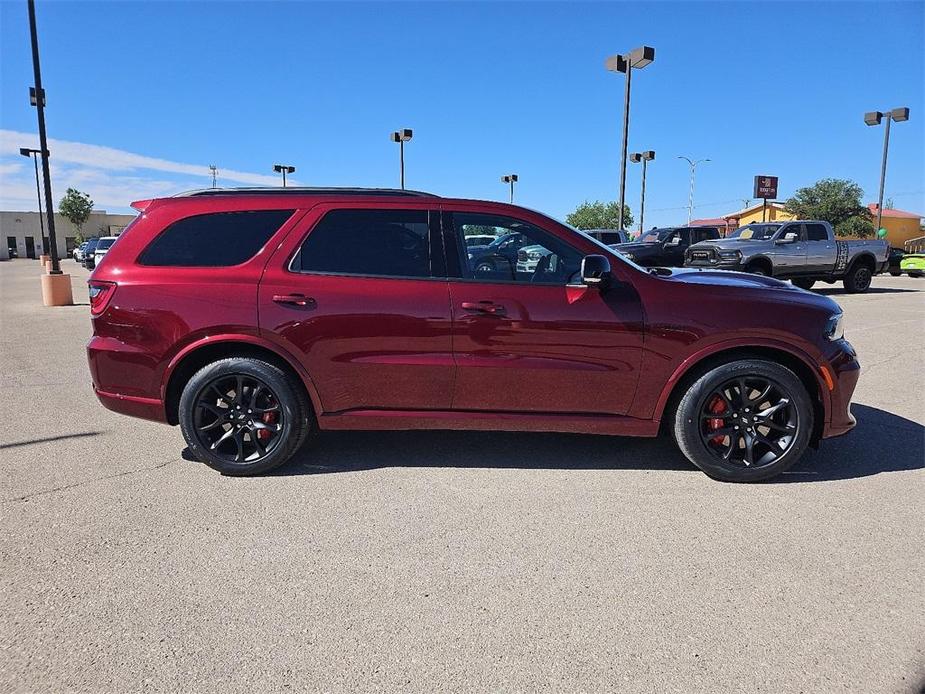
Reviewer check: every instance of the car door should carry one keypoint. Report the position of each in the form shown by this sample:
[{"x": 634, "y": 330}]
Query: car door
[
  {"x": 789, "y": 258},
  {"x": 675, "y": 246},
  {"x": 820, "y": 249},
  {"x": 359, "y": 295},
  {"x": 530, "y": 343}
]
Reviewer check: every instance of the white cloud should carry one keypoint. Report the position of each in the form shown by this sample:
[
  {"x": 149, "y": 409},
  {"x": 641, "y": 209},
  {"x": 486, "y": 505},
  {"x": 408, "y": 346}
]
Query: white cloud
[
  {"x": 112, "y": 177},
  {"x": 112, "y": 159}
]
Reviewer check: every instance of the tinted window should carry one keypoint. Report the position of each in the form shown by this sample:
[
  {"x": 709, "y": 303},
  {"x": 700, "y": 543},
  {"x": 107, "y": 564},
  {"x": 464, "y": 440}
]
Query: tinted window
[
  {"x": 214, "y": 240},
  {"x": 104, "y": 244},
  {"x": 524, "y": 253},
  {"x": 816, "y": 232},
  {"x": 390, "y": 243}
]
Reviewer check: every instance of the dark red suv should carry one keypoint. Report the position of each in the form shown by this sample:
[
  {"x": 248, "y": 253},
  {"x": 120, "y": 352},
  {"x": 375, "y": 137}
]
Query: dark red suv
[{"x": 253, "y": 317}]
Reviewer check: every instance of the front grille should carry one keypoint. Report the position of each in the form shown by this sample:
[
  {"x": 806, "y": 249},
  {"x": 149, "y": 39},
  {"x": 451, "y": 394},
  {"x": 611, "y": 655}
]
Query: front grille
[{"x": 703, "y": 256}]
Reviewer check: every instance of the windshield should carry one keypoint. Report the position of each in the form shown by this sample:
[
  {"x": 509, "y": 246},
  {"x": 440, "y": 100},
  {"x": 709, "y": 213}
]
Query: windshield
[
  {"x": 104, "y": 244},
  {"x": 755, "y": 232},
  {"x": 655, "y": 236}
]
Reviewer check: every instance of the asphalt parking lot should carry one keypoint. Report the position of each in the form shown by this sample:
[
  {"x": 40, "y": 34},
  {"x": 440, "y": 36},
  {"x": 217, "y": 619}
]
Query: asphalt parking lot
[{"x": 451, "y": 561}]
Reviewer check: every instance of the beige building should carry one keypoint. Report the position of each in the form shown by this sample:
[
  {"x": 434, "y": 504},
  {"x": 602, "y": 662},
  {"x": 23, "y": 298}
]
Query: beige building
[{"x": 21, "y": 232}]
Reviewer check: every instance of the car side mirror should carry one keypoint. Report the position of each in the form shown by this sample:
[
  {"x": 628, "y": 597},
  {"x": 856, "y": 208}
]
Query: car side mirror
[
  {"x": 595, "y": 271},
  {"x": 789, "y": 237}
]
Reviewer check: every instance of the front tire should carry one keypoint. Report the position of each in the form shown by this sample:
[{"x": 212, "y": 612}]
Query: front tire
[
  {"x": 744, "y": 421},
  {"x": 243, "y": 416},
  {"x": 858, "y": 279},
  {"x": 804, "y": 283},
  {"x": 757, "y": 270}
]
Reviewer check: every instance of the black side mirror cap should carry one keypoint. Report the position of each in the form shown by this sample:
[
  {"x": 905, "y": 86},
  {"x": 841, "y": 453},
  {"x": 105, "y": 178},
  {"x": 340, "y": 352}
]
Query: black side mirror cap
[{"x": 595, "y": 271}]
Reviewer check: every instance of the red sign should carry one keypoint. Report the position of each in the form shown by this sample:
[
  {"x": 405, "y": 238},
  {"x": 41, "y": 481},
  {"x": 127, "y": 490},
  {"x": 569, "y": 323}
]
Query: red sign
[{"x": 765, "y": 187}]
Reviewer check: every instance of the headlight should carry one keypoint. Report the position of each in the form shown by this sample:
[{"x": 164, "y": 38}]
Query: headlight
[
  {"x": 730, "y": 255},
  {"x": 835, "y": 327}
]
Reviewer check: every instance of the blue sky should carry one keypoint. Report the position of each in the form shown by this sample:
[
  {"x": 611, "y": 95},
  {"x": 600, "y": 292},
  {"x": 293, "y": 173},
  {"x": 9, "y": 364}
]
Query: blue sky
[{"x": 142, "y": 97}]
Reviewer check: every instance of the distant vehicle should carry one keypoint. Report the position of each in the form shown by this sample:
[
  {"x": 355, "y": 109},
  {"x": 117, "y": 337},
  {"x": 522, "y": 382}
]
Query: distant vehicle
[
  {"x": 12, "y": 252},
  {"x": 608, "y": 237},
  {"x": 102, "y": 248},
  {"x": 913, "y": 264},
  {"x": 479, "y": 240},
  {"x": 500, "y": 256},
  {"x": 895, "y": 258},
  {"x": 528, "y": 257},
  {"x": 79, "y": 251},
  {"x": 665, "y": 247},
  {"x": 803, "y": 251},
  {"x": 88, "y": 259}
]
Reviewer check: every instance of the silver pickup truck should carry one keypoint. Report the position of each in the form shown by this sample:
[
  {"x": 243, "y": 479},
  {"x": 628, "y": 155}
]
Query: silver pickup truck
[{"x": 801, "y": 251}]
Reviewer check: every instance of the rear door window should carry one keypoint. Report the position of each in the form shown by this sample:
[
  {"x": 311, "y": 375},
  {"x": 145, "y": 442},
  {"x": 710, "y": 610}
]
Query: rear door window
[
  {"x": 214, "y": 240},
  {"x": 816, "y": 232},
  {"x": 371, "y": 243}
]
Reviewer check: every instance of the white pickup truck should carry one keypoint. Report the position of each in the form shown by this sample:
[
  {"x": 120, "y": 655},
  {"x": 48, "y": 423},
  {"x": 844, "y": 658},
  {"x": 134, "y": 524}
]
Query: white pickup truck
[{"x": 803, "y": 251}]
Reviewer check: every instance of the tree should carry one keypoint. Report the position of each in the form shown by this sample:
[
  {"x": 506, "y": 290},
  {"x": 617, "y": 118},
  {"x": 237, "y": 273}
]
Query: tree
[
  {"x": 599, "y": 215},
  {"x": 833, "y": 200},
  {"x": 76, "y": 208},
  {"x": 856, "y": 227}
]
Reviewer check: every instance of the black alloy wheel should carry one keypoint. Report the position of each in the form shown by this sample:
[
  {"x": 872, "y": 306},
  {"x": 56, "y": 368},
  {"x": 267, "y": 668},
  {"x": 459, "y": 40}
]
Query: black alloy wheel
[
  {"x": 745, "y": 420},
  {"x": 748, "y": 421},
  {"x": 244, "y": 416},
  {"x": 238, "y": 418}
]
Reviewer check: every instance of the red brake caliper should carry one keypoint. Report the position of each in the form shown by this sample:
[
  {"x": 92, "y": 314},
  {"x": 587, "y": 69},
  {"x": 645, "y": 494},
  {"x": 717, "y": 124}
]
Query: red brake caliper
[
  {"x": 716, "y": 406},
  {"x": 267, "y": 418}
]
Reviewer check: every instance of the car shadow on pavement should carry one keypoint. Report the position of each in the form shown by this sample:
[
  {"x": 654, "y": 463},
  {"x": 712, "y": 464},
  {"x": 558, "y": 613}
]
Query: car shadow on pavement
[
  {"x": 881, "y": 442},
  {"x": 838, "y": 291},
  {"x": 47, "y": 439}
]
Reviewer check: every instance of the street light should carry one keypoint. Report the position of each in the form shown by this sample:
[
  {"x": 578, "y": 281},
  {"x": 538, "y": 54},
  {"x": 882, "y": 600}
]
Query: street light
[
  {"x": 644, "y": 157},
  {"x": 401, "y": 137},
  {"x": 690, "y": 201},
  {"x": 637, "y": 59},
  {"x": 37, "y": 99},
  {"x": 512, "y": 179},
  {"x": 283, "y": 169},
  {"x": 874, "y": 118},
  {"x": 34, "y": 153},
  {"x": 214, "y": 169}
]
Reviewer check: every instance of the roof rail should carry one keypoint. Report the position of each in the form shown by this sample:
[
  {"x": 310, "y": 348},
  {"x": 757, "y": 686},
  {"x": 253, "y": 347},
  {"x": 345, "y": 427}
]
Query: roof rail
[{"x": 304, "y": 191}]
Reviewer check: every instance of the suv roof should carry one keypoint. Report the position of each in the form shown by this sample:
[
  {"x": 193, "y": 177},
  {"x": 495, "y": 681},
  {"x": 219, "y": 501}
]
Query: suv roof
[{"x": 255, "y": 190}]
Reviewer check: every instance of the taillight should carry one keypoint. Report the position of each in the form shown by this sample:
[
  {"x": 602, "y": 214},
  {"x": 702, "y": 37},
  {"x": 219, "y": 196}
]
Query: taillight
[{"x": 100, "y": 294}]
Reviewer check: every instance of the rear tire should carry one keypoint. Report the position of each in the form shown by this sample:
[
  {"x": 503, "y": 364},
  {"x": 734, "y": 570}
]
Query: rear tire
[
  {"x": 858, "y": 279},
  {"x": 804, "y": 283},
  {"x": 763, "y": 422},
  {"x": 243, "y": 416}
]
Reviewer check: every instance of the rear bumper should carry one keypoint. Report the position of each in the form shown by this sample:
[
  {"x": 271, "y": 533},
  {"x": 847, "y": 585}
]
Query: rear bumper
[
  {"x": 132, "y": 405},
  {"x": 845, "y": 372}
]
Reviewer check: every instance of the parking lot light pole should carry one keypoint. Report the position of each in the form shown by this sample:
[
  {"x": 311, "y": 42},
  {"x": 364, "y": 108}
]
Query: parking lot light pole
[
  {"x": 37, "y": 99},
  {"x": 874, "y": 118},
  {"x": 283, "y": 169},
  {"x": 512, "y": 179},
  {"x": 637, "y": 59},
  {"x": 401, "y": 137},
  {"x": 690, "y": 200},
  {"x": 636, "y": 158},
  {"x": 34, "y": 154}
]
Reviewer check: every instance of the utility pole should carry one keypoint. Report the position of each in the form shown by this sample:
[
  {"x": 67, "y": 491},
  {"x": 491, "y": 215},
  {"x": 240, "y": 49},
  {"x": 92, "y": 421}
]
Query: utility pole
[{"x": 214, "y": 170}]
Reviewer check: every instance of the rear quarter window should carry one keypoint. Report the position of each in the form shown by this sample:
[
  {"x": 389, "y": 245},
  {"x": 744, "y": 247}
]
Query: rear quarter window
[{"x": 219, "y": 239}]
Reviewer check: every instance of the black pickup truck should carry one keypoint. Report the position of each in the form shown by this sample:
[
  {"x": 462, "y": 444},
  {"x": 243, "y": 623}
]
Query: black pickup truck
[{"x": 665, "y": 247}]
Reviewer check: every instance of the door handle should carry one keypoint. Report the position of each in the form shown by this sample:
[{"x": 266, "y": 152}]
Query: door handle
[
  {"x": 488, "y": 307},
  {"x": 299, "y": 300}
]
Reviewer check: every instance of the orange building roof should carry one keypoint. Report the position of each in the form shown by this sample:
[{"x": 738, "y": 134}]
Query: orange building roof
[{"x": 888, "y": 212}]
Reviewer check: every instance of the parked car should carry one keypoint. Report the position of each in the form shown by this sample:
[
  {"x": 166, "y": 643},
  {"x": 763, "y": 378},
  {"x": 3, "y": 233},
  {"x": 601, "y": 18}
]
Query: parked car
[
  {"x": 529, "y": 257},
  {"x": 499, "y": 257},
  {"x": 78, "y": 253},
  {"x": 913, "y": 264},
  {"x": 252, "y": 318},
  {"x": 102, "y": 247},
  {"x": 801, "y": 251},
  {"x": 665, "y": 247},
  {"x": 89, "y": 259},
  {"x": 479, "y": 240},
  {"x": 608, "y": 237}
]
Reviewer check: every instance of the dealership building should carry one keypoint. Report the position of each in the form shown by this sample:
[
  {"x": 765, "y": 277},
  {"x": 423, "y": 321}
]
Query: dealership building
[{"x": 21, "y": 233}]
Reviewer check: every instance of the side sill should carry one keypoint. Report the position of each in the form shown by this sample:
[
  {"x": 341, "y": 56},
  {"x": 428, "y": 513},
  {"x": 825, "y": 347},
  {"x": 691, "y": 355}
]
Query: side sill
[{"x": 460, "y": 420}]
